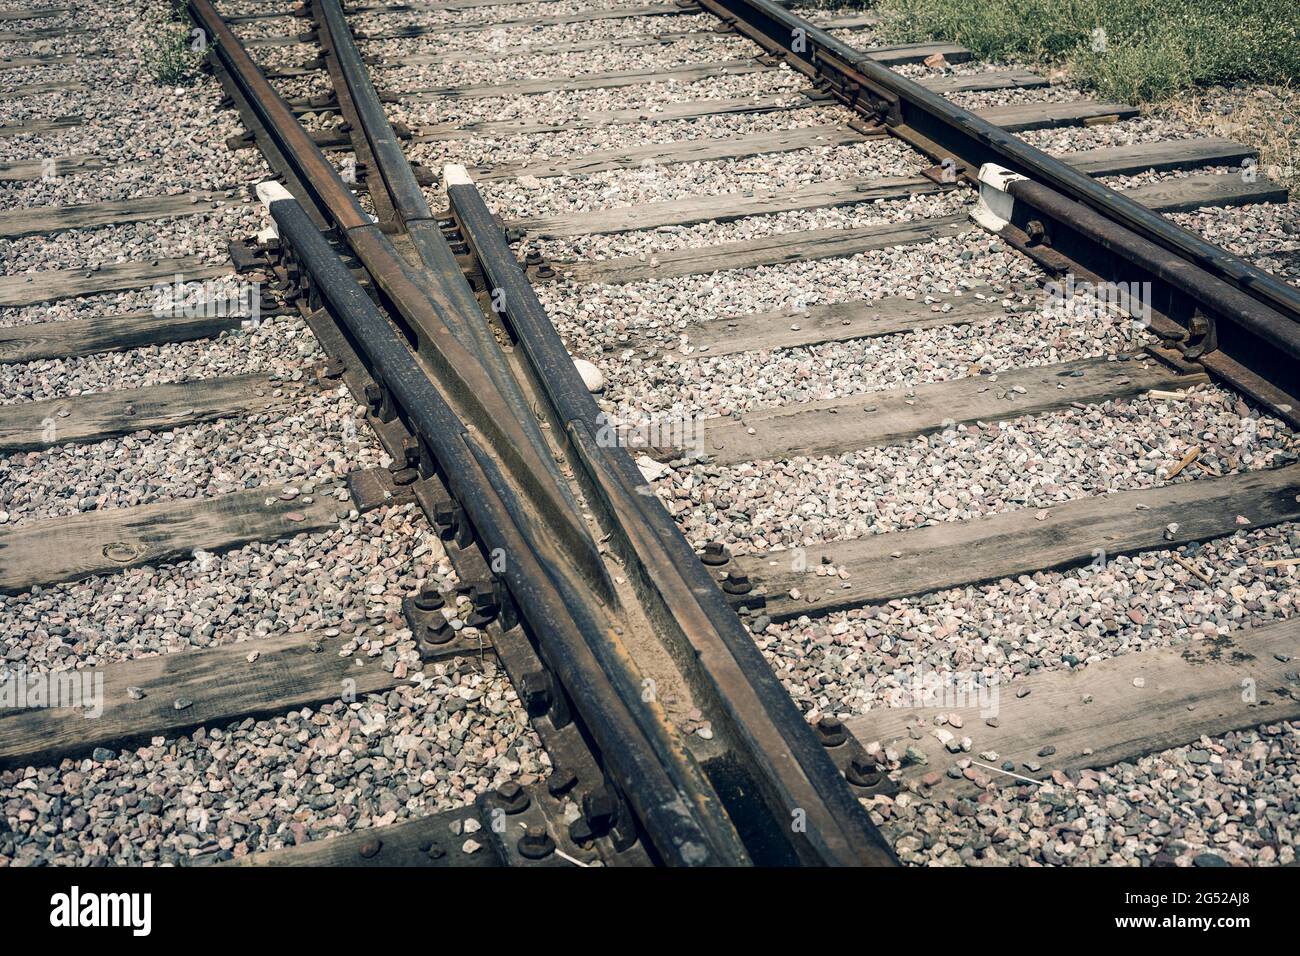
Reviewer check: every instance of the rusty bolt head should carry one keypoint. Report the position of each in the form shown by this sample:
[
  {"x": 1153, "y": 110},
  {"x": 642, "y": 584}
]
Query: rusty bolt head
[
  {"x": 430, "y": 599},
  {"x": 831, "y": 732},
  {"x": 533, "y": 258},
  {"x": 438, "y": 631},
  {"x": 863, "y": 771},
  {"x": 715, "y": 554},
  {"x": 484, "y": 596},
  {"x": 561, "y": 781},
  {"x": 444, "y": 514},
  {"x": 404, "y": 476},
  {"x": 600, "y": 809},
  {"x": 535, "y": 692},
  {"x": 512, "y": 798},
  {"x": 536, "y": 843},
  {"x": 737, "y": 582}
]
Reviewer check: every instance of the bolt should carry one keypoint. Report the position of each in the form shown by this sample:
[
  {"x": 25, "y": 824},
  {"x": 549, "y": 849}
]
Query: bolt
[
  {"x": 1035, "y": 231},
  {"x": 600, "y": 809},
  {"x": 561, "y": 781},
  {"x": 737, "y": 582},
  {"x": 438, "y": 631},
  {"x": 536, "y": 843},
  {"x": 862, "y": 771},
  {"x": 831, "y": 732},
  {"x": 485, "y": 605},
  {"x": 535, "y": 692},
  {"x": 533, "y": 258},
  {"x": 445, "y": 514},
  {"x": 512, "y": 797},
  {"x": 545, "y": 272},
  {"x": 430, "y": 599},
  {"x": 715, "y": 554},
  {"x": 404, "y": 476},
  {"x": 580, "y": 831},
  {"x": 374, "y": 397}
]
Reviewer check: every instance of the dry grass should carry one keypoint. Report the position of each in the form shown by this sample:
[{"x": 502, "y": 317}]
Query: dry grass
[{"x": 1265, "y": 117}]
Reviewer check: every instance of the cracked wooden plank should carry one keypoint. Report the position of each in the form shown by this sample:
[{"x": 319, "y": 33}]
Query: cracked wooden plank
[
  {"x": 800, "y": 246},
  {"x": 54, "y": 550},
  {"x": 898, "y": 564},
  {"x": 93, "y": 416},
  {"x": 34, "y": 288},
  {"x": 1109, "y": 712},
  {"x": 891, "y": 416}
]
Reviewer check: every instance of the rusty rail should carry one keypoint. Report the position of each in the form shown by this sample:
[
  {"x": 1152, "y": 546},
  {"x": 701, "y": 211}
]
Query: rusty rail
[{"x": 1238, "y": 321}]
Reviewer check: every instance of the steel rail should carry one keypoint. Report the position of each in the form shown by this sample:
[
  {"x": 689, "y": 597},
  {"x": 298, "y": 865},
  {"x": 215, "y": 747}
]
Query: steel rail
[
  {"x": 775, "y": 744},
  {"x": 475, "y": 478},
  {"x": 786, "y": 761},
  {"x": 686, "y": 826},
  {"x": 1249, "y": 312},
  {"x": 427, "y": 313},
  {"x": 357, "y": 95},
  {"x": 783, "y": 760},
  {"x": 412, "y": 216}
]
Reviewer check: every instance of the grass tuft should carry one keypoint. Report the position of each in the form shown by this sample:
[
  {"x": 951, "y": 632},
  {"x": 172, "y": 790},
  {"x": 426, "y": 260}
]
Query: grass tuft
[
  {"x": 1133, "y": 50},
  {"x": 169, "y": 53}
]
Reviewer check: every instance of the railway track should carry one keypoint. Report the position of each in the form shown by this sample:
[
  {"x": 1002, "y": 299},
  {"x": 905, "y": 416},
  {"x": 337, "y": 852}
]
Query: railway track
[{"x": 683, "y": 434}]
